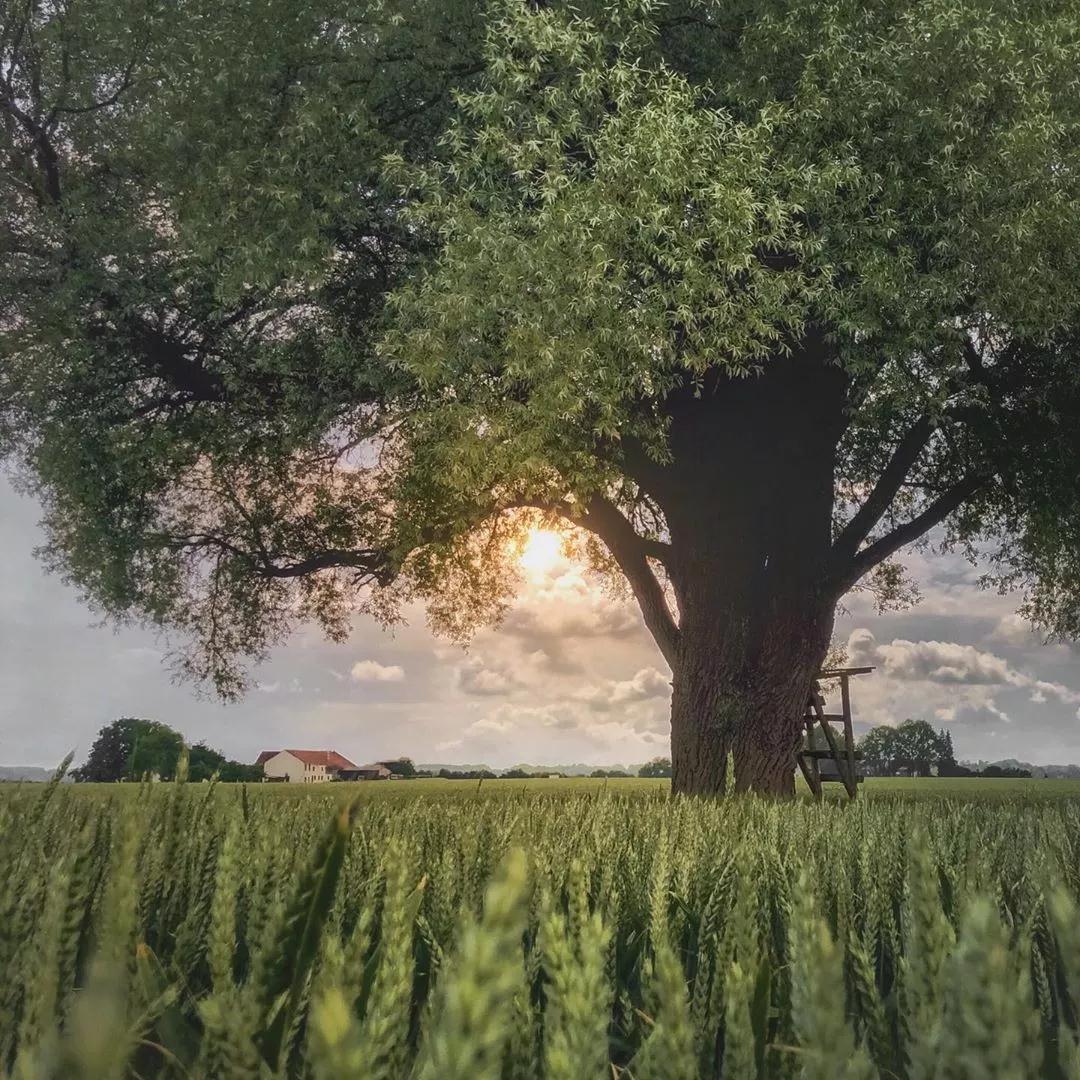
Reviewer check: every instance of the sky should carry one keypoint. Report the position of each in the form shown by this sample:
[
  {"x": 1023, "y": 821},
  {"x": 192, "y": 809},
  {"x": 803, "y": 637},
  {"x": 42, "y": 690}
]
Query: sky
[{"x": 571, "y": 675}]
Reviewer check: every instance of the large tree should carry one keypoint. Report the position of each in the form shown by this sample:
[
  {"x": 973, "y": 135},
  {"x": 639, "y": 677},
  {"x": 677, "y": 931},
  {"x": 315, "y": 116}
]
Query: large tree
[
  {"x": 109, "y": 759},
  {"x": 308, "y": 307}
]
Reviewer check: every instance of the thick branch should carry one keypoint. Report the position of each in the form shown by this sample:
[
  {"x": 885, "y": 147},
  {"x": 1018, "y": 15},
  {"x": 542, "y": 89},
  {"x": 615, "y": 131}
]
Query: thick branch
[
  {"x": 370, "y": 561},
  {"x": 934, "y": 514},
  {"x": 651, "y": 549},
  {"x": 880, "y": 499},
  {"x": 632, "y": 554}
]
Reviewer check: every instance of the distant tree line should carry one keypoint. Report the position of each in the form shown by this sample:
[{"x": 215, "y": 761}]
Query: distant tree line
[
  {"x": 916, "y": 749},
  {"x": 131, "y": 748},
  {"x": 488, "y": 774},
  {"x": 404, "y": 767}
]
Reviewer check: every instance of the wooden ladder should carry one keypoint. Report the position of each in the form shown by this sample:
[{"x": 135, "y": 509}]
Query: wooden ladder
[{"x": 808, "y": 758}]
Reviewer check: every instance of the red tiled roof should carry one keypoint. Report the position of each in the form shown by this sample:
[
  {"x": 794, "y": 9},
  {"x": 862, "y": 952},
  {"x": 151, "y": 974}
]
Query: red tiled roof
[{"x": 330, "y": 758}]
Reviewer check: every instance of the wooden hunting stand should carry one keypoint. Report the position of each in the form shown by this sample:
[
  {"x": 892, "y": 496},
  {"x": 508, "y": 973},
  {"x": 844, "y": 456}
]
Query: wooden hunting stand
[{"x": 835, "y": 763}]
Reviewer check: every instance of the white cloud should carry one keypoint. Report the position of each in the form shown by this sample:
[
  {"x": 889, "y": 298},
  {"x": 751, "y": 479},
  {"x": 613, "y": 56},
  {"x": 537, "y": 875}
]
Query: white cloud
[
  {"x": 373, "y": 671},
  {"x": 645, "y": 684},
  {"x": 563, "y": 609},
  {"x": 918, "y": 673},
  {"x": 625, "y": 735},
  {"x": 1014, "y": 630},
  {"x": 480, "y": 679},
  {"x": 933, "y": 661},
  {"x": 950, "y": 663}
]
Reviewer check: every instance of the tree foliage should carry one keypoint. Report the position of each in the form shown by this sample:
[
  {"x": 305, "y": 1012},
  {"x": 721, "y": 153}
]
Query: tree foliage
[
  {"x": 305, "y": 306},
  {"x": 129, "y": 748},
  {"x": 156, "y": 751},
  {"x": 111, "y": 751},
  {"x": 913, "y": 745}
]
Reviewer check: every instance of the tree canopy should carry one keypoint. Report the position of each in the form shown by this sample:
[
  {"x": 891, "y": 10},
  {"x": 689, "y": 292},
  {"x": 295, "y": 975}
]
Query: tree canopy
[
  {"x": 912, "y": 745},
  {"x": 306, "y": 308},
  {"x": 130, "y": 748}
]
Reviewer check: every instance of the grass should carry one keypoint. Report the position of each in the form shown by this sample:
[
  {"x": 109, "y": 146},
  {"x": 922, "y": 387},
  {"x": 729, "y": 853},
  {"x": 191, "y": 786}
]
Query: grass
[{"x": 541, "y": 928}]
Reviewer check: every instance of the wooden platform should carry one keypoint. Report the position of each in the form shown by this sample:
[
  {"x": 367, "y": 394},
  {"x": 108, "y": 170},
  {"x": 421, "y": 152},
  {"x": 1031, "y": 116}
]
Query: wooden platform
[{"x": 843, "y": 757}]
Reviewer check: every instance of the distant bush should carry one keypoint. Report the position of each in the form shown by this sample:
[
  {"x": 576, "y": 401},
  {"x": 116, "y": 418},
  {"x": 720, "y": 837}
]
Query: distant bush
[
  {"x": 1005, "y": 771},
  {"x": 658, "y": 767},
  {"x": 468, "y": 774},
  {"x": 402, "y": 767}
]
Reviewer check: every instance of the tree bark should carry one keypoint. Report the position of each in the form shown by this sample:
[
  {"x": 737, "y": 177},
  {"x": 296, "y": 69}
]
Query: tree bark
[
  {"x": 745, "y": 693},
  {"x": 748, "y": 499}
]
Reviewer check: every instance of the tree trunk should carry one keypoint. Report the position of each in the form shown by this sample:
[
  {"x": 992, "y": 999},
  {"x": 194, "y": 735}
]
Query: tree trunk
[
  {"x": 748, "y": 500},
  {"x": 745, "y": 694}
]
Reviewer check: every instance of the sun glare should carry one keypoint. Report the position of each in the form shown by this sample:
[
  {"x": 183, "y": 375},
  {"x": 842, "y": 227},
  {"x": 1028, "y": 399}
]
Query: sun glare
[{"x": 541, "y": 552}]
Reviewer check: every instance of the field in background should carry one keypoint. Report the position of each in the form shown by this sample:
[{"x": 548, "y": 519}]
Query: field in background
[
  {"x": 873, "y": 787},
  {"x": 547, "y": 928}
]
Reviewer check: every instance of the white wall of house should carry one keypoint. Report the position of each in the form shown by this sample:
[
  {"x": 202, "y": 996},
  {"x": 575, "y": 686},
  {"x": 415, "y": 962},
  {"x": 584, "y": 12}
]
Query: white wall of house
[{"x": 285, "y": 764}]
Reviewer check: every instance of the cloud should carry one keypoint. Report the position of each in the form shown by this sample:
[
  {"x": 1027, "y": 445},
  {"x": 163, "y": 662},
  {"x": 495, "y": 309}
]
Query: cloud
[
  {"x": 933, "y": 661},
  {"x": 561, "y": 716},
  {"x": 976, "y": 706},
  {"x": 490, "y": 733},
  {"x": 948, "y": 663},
  {"x": 373, "y": 671},
  {"x": 595, "y": 619},
  {"x": 512, "y": 723},
  {"x": 294, "y": 686},
  {"x": 564, "y": 609},
  {"x": 480, "y": 679},
  {"x": 1014, "y": 630},
  {"x": 647, "y": 683}
]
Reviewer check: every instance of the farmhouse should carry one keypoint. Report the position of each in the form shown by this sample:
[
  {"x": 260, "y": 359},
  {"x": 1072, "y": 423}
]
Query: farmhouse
[{"x": 303, "y": 766}]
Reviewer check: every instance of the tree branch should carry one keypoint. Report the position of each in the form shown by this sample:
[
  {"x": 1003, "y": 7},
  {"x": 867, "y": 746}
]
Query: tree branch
[
  {"x": 889, "y": 483},
  {"x": 934, "y": 514},
  {"x": 651, "y": 549},
  {"x": 632, "y": 553},
  {"x": 370, "y": 561}
]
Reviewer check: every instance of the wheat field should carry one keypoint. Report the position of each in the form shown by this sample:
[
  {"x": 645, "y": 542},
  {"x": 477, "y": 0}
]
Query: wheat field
[{"x": 523, "y": 930}]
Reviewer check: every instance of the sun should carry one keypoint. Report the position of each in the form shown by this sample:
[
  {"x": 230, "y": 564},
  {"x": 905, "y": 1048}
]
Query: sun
[{"x": 541, "y": 552}]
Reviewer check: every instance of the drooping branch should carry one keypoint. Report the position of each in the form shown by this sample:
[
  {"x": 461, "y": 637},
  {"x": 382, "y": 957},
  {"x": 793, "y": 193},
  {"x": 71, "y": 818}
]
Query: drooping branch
[
  {"x": 632, "y": 553},
  {"x": 371, "y": 562},
  {"x": 885, "y": 490},
  {"x": 934, "y": 514}
]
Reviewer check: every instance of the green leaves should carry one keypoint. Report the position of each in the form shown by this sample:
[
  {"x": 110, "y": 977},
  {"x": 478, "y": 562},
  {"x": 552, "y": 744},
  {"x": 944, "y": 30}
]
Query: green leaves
[{"x": 298, "y": 299}]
